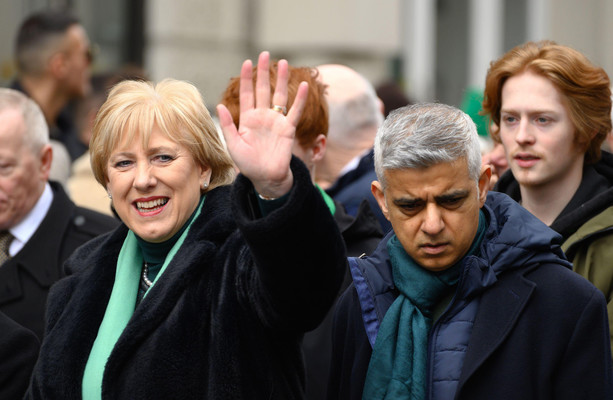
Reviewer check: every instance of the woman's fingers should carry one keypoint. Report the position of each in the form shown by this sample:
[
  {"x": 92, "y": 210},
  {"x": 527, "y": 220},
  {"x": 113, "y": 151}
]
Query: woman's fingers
[
  {"x": 246, "y": 87},
  {"x": 294, "y": 114},
  {"x": 227, "y": 124},
  {"x": 262, "y": 85},
  {"x": 262, "y": 89},
  {"x": 280, "y": 96}
]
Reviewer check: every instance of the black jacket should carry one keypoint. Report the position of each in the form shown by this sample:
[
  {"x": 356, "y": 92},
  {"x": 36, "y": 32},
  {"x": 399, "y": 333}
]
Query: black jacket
[
  {"x": 18, "y": 352},
  {"x": 225, "y": 319},
  {"x": 594, "y": 195},
  {"x": 361, "y": 235},
  {"x": 586, "y": 224},
  {"x": 353, "y": 187},
  {"x": 26, "y": 278}
]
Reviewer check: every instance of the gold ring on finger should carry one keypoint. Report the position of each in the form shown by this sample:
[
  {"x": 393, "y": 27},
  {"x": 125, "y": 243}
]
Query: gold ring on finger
[{"x": 280, "y": 109}]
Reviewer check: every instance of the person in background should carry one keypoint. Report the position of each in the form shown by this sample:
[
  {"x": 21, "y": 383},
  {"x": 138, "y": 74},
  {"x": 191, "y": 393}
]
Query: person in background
[
  {"x": 18, "y": 353},
  {"x": 469, "y": 296},
  {"x": 392, "y": 96},
  {"x": 54, "y": 59},
  {"x": 551, "y": 110},
  {"x": 496, "y": 158},
  {"x": 347, "y": 169},
  {"x": 205, "y": 289},
  {"x": 361, "y": 233},
  {"x": 39, "y": 225}
]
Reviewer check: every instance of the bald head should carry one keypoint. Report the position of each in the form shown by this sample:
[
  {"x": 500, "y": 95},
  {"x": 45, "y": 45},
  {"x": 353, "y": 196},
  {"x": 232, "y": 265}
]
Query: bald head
[
  {"x": 355, "y": 113},
  {"x": 352, "y": 99}
]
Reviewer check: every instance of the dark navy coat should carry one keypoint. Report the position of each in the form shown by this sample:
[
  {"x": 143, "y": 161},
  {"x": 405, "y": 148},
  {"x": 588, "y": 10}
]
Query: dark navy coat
[{"x": 521, "y": 325}]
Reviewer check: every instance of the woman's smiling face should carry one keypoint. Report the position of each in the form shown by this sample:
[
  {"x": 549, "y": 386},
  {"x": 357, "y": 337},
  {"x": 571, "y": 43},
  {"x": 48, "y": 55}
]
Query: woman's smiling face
[{"x": 156, "y": 188}]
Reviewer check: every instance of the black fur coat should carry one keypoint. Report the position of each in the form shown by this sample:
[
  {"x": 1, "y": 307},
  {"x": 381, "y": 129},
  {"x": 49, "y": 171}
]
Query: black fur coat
[{"x": 223, "y": 322}]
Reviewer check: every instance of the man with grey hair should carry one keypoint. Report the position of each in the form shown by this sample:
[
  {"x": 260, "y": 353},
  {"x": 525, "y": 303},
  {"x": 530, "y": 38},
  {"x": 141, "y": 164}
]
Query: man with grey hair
[
  {"x": 39, "y": 225},
  {"x": 355, "y": 112},
  {"x": 469, "y": 296},
  {"x": 54, "y": 58}
]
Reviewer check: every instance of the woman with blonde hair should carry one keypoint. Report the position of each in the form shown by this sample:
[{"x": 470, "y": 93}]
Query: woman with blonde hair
[{"x": 206, "y": 289}]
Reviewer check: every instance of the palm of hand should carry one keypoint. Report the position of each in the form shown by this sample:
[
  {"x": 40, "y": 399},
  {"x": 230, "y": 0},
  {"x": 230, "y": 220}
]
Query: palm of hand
[
  {"x": 263, "y": 150},
  {"x": 261, "y": 147}
]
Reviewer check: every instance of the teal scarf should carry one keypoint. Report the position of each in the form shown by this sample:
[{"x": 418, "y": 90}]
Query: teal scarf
[
  {"x": 397, "y": 368},
  {"x": 120, "y": 308}
]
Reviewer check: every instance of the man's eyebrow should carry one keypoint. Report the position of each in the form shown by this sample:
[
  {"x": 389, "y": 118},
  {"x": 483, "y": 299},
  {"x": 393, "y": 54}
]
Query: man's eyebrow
[
  {"x": 453, "y": 195},
  {"x": 407, "y": 201}
]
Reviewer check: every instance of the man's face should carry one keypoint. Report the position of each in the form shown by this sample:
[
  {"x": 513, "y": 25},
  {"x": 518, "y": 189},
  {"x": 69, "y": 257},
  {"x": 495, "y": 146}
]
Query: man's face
[
  {"x": 434, "y": 211},
  {"x": 537, "y": 133},
  {"x": 22, "y": 174},
  {"x": 77, "y": 61}
]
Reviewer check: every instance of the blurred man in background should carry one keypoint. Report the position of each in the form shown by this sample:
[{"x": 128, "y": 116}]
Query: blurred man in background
[
  {"x": 347, "y": 168},
  {"x": 54, "y": 57},
  {"x": 39, "y": 225}
]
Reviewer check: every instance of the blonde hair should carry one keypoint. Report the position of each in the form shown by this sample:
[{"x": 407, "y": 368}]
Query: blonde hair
[{"x": 177, "y": 108}]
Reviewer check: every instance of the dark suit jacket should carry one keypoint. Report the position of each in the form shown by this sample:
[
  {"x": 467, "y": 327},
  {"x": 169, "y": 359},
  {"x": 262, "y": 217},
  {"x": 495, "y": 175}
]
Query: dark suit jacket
[
  {"x": 26, "y": 278},
  {"x": 18, "y": 353}
]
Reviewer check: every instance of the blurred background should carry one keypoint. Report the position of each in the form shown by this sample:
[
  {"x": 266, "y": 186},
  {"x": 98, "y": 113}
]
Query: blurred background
[{"x": 433, "y": 49}]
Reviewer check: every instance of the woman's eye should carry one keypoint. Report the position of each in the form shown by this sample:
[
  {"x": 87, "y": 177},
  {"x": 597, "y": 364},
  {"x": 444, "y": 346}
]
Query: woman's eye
[
  {"x": 163, "y": 158},
  {"x": 123, "y": 164}
]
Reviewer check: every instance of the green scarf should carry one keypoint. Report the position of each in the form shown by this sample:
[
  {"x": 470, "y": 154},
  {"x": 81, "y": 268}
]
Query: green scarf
[
  {"x": 120, "y": 308},
  {"x": 397, "y": 368},
  {"x": 327, "y": 199}
]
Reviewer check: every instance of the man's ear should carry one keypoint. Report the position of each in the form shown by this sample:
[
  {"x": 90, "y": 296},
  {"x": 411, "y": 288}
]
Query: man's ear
[
  {"x": 484, "y": 183},
  {"x": 377, "y": 191},
  {"x": 319, "y": 148},
  {"x": 46, "y": 158}
]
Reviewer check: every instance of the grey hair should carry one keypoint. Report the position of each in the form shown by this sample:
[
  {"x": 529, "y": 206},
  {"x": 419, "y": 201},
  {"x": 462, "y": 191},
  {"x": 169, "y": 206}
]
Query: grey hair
[
  {"x": 37, "y": 131},
  {"x": 422, "y": 135}
]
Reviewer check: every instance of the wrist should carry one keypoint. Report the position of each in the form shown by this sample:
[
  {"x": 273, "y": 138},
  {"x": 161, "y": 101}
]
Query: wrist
[{"x": 273, "y": 190}]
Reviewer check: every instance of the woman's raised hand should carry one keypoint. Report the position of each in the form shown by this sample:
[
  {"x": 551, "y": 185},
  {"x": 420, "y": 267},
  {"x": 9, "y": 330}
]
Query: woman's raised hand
[{"x": 261, "y": 147}]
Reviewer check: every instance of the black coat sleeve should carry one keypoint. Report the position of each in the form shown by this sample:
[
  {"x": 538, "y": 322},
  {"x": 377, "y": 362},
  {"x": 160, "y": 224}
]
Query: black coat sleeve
[{"x": 297, "y": 250}]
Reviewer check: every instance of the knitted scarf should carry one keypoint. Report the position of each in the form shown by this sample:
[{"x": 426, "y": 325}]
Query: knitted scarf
[{"x": 397, "y": 368}]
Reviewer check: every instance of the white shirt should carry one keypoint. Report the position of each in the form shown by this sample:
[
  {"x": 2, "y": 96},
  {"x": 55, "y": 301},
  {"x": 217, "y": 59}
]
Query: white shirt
[
  {"x": 24, "y": 230},
  {"x": 353, "y": 164}
]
